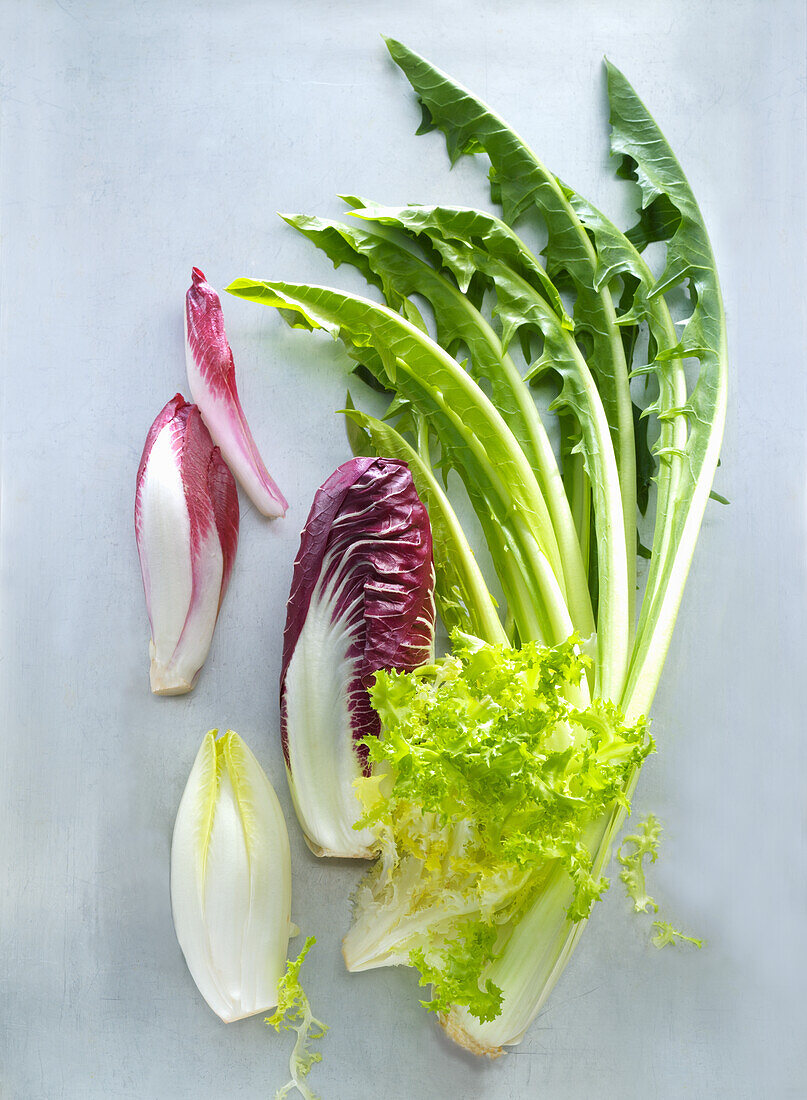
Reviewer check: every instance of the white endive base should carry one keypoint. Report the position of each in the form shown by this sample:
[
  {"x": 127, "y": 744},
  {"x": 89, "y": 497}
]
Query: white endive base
[
  {"x": 354, "y": 853},
  {"x": 164, "y": 682},
  {"x": 457, "y": 1033}
]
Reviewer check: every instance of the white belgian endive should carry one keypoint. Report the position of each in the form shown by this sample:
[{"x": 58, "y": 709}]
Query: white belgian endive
[
  {"x": 211, "y": 377},
  {"x": 186, "y": 524},
  {"x": 231, "y": 880}
]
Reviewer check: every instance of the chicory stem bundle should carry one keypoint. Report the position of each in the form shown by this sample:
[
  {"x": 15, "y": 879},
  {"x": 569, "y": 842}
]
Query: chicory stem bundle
[{"x": 493, "y": 905}]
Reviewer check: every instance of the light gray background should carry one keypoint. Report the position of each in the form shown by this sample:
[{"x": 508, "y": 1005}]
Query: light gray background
[{"x": 141, "y": 137}]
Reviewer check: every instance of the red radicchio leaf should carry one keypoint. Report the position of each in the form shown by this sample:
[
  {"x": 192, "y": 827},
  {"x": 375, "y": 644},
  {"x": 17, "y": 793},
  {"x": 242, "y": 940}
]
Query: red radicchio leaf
[
  {"x": 368, "y": 540},
  {"x": 211, "y": 376}
]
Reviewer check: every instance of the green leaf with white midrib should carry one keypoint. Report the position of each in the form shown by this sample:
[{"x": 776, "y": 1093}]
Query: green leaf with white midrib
[
  {"x": 616, "y": 256},
  {"x": 425, "y": 373},
  {"x": 520, "y": 181},
  {"x": 519, "y": 305},
  {"x": 636, "y": 136},
  {"x": 398, "y": 272}
]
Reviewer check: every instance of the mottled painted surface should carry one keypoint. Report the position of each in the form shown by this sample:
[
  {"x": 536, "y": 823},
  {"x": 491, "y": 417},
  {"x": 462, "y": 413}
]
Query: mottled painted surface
[{"x": 138, "y": 138}]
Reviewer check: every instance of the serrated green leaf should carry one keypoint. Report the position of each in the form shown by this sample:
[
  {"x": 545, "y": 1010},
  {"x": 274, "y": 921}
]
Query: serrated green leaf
[
  {"x": 644, "y": 151},
  {"x": 400, "y": 272},
  {"x": 519, "y": 181},
  {"x": 496, "y": 475}
]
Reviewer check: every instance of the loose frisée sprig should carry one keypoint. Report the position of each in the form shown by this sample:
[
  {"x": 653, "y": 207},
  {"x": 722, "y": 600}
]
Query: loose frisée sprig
[{"x": 294, "y": 1013}]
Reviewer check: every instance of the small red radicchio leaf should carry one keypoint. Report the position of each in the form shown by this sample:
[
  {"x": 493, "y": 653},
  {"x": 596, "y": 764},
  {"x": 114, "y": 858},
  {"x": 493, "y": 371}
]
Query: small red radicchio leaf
[
  {"x": 362, "y": 599},
  {"x": 211, "y": 377},
  {"x": 186, "y": 526}
]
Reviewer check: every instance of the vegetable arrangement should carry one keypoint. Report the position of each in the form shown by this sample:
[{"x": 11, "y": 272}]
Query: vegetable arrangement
[
  {"x": 490, "y": 783},
  {"x": 504, "y": 770}
]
